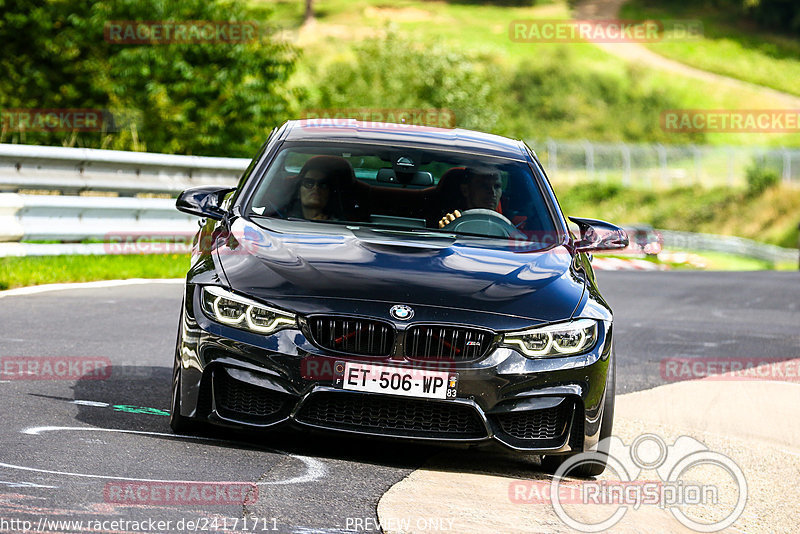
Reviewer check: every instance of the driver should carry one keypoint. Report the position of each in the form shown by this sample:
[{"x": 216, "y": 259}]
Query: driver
[{"x": 481, "y": 189}]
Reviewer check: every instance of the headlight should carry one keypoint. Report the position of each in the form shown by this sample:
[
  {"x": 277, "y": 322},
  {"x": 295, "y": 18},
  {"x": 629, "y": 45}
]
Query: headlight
[
  {"x": 231, "y": 309},
  {"x": 564, "y": 339}
]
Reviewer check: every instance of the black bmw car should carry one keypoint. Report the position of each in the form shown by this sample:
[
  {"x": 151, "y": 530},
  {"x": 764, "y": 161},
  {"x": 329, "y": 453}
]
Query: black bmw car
[{"x": 396, "y": 281}]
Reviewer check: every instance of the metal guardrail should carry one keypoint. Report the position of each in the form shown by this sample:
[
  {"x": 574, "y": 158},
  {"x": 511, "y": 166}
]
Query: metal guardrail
[
  {"x": 729, "y": 245},
  {"x": 75, "y": 170},
  {"x": 68, "y": 217},
  {"x": 73, "y": 218},
  {"x": 25, "y": 217}
]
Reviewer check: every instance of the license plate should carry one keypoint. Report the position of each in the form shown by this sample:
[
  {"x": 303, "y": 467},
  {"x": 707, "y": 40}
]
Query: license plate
[{"x": 395, "y": 380}]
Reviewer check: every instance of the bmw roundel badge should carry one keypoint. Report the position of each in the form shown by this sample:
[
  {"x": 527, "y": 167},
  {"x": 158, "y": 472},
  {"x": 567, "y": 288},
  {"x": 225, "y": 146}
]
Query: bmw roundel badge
[{"x": 401, "y": 312}]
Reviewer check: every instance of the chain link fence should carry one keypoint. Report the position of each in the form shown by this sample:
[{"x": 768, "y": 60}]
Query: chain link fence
[{"x": 662, "y": 166}]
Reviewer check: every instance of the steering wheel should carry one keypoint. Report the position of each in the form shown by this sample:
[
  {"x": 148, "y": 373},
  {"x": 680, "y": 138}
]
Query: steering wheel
[{"x": 483, "y": 222}]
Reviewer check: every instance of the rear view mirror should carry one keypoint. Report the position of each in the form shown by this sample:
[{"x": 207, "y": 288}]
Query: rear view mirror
[
  {"x": 599, "y": 235},
  {"x": 387, "y": 175},
  {"x": 204, "y": 201}
]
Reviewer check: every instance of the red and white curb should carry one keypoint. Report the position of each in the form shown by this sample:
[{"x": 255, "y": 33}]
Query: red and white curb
[{"x": 619, "y": 264}]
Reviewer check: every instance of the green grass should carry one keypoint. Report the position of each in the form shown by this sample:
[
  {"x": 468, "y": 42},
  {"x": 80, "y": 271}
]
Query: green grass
[
  {"x": 30, "y": 271},
  {"x": 729, "y": 46},
  {"x": 602, "y": 97},
  {"x": 35, "y": 270},
  {"x": 718, "y": 261},
  {"x": 771, "y": 216}
]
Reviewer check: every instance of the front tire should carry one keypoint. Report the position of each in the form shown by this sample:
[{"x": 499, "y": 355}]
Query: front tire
[
  {"x": 179, "y": 423},
  {"x": 596, "y": 460}
]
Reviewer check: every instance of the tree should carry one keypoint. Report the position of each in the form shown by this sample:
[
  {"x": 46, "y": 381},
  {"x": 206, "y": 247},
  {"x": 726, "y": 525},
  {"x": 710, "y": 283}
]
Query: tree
[
  {"x": 783, "y": 15},
  {"x": 309, "y": 11},
  {"x": 400, "y": 73},
  {"x": 210, "y": 98}
]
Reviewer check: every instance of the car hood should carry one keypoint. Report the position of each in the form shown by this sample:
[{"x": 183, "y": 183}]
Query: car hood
[{"x": 311, "y": 267}]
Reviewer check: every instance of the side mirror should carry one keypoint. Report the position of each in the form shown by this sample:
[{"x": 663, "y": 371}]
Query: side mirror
[
  {"x": 599, "y": 235},
  {"x": 203, "y": 201}
]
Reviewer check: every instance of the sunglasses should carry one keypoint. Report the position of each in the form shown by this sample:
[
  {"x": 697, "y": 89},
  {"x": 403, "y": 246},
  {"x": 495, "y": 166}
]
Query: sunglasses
[{"x": 310, "y": 183}]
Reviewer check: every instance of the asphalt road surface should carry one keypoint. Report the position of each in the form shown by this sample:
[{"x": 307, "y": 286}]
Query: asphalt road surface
[{"x": 67, "y": 445}]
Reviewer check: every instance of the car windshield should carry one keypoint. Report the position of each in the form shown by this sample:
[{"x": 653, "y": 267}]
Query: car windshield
[{"x": 405, "y": 189}]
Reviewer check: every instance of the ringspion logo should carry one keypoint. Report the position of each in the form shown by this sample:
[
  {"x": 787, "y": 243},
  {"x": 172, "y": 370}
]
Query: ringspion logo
[{"x": 690, "y": 478}]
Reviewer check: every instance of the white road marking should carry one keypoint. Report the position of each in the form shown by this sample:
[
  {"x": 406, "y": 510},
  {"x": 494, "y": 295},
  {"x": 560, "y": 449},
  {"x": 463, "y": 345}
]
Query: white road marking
[
  {"x": 37, "y": 430},
  {"x": 24, "y": 485},
  {"x": 315, "y": 469},
  {"x": 33, "y": 290},
  {"x": 91, "y": 403}
]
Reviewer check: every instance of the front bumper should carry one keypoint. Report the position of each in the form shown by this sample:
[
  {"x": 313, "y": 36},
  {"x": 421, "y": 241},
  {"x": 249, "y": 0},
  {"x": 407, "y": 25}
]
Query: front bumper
[{"x": 233, "y": 378}]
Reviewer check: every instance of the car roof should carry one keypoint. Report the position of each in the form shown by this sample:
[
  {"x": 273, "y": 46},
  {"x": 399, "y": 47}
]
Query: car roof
[{"x": 352, "y": 130}]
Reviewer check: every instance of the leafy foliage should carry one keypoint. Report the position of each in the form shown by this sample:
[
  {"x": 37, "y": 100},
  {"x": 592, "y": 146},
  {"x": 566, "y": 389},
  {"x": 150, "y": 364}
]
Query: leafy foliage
[
  {"x": 563, "y": 97},
  {"x": 395, "y": 72},
  {"x": 760, "y": 178},
  {"x": 783, "y": 15},
  {"x": 210, "y": 98}
]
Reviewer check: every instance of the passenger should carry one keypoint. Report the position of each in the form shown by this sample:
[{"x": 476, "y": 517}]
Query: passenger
[{"x": 481, "y": 189}]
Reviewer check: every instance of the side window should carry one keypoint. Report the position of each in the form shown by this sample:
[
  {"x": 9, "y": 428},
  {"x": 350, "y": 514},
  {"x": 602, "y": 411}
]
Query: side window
[{"x": 249, "y": 170}]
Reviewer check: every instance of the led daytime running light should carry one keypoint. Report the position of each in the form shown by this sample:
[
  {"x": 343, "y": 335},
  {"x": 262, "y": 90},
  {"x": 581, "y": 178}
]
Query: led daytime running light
[
  {"x": 245, "y": 320},
  {"x": 585, "y": 328}
]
